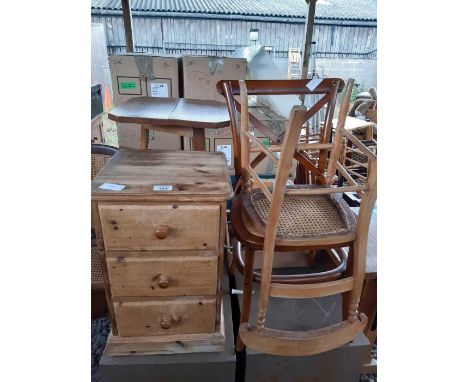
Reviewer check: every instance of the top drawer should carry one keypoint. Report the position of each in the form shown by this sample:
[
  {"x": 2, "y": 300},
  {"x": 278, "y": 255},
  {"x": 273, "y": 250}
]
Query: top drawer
[{"x": 159, "y": 227}]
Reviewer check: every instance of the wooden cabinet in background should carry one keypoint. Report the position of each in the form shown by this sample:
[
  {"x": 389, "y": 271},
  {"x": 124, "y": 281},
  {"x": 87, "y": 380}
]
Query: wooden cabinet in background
[{"x": 163, "y": 237}]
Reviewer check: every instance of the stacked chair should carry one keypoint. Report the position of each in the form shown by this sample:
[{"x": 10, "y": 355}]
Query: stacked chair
[
  {"x": 100, "y": 156},
  {"x": 307, "y": 217}
]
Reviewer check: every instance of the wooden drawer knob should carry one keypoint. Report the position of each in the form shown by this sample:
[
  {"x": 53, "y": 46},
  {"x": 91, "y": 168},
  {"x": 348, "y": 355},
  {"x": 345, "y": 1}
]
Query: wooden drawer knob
[
  {"x": 166, "y": 322},
  {"x": 164, "y": 281},
  {"x": 161, "y": 231}
]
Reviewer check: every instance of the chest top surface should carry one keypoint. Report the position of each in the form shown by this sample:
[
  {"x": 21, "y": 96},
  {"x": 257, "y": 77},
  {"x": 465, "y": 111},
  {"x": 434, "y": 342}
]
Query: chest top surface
[{"x": 190, "y": 175}]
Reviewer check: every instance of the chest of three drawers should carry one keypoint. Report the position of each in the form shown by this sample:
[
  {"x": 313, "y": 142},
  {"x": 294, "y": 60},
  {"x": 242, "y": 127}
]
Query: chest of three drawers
[{"x": 163, "y": 250}]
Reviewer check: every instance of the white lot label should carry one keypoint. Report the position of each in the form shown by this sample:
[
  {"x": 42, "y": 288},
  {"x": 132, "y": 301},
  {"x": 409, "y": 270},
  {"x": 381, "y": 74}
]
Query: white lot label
[
  {"x": 159, "y": 89},
  {"x": 226, "y": 149},
  {"x": 312, "y": 84},
  {"x": 112, "y": 186},
  {"x": 162, "y": 187}
]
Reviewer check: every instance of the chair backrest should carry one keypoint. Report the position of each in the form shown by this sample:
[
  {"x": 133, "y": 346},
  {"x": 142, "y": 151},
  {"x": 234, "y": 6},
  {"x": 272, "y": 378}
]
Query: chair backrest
[
  {"x": 100, "y": 156},
  {"x": 327, "y": 88}
]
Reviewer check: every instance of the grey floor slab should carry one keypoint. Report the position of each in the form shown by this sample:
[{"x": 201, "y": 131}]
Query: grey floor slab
[{"x": 339, "y": 365}]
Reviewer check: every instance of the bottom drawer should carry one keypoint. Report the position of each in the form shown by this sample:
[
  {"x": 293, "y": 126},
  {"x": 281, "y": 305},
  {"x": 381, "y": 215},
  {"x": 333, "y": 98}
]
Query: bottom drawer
[{"x": 140, "y": 318}]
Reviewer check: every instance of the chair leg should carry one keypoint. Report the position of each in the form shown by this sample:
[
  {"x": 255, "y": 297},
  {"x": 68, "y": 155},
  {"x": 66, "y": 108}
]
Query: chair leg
[
  {"x": 232, "y": 267},
  {"x": 358, "y": 265},
  {"x": 229, "y": 249},
  {"x": 247, "y": 293},
  {"x": 349, "y": 272},
  {"x": 311, "y": 257},
  {"x": 265, "y": 282}
]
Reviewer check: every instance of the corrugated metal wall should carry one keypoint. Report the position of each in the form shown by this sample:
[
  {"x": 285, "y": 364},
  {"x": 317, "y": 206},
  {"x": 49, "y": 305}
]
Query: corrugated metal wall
[{"x": 220, "y": 37}]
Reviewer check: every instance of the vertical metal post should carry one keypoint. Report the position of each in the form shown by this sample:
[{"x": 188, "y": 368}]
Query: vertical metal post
[
  {"x": 309, "y": 28},
  {"x": 315, "y": 122},
  {"x": 313, "y": 61},
  {"x": 127, "y": 19}
]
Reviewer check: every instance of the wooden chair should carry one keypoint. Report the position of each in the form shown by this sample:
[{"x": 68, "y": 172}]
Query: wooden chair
[
  {"x": 100, "y": 156},
  {"x": 315, "y": 164},
  {"x": 293, "y": 218}
]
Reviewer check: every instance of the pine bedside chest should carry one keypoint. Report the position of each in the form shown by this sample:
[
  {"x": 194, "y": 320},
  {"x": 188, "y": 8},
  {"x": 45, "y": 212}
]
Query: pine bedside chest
[{"x": 163, "y": 237}]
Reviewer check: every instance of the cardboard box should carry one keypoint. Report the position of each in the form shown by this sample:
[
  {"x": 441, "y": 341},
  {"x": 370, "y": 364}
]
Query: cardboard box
[
  {"x": 129, "y": 135},
  {"x": 144, "y": 75},
  {"x": 137, "y": 74},
  {"x": 201, "y": 73},
  {"x": 221, "y": 140}
]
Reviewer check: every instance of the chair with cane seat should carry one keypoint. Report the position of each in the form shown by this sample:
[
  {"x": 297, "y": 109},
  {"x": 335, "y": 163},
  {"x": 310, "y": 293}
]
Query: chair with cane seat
[
  {"x": 310, "y": 217},
  {"x": 315, "y": 165},
  {"x": 100, "y": 156}
]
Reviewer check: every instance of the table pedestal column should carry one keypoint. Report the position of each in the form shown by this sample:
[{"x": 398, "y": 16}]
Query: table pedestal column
[{"x": 198, "y": 141}]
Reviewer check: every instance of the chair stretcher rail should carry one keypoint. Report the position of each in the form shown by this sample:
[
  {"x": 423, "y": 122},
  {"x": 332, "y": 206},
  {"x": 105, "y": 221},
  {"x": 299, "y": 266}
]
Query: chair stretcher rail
[
  {"x": 364, "y": 150},
  {"x": 311, "y": 290},
  {"x": 289, "y": 343},
  {"x": 326, "y": 190}
]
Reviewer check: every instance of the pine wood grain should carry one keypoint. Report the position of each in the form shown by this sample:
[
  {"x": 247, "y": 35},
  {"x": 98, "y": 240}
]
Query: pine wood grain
[
  {"x": 170, "y": 240},
  {"x": 194, "y": 175},
  {"x": 168, "y": 344},
  {"x": 139, "y": 318},
  {"x": 162, "y": 276},
  {"x": 134, "y": 227}
]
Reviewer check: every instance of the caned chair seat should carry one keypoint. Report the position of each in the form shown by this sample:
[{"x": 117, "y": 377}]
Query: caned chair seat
[
  {"x": 98, "y": 162},
  {"x": 100, "y": 156},
  {"x": 303, "y": 217},
  {"x": 97, "y": 279},
  {"x": 98, "y": 296}
]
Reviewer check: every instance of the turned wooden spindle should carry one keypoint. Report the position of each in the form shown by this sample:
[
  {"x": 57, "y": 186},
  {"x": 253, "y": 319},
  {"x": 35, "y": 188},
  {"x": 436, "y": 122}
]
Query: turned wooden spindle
[
  {"x": 353, "y": 312},
  {"x": 261, "y": 321}
]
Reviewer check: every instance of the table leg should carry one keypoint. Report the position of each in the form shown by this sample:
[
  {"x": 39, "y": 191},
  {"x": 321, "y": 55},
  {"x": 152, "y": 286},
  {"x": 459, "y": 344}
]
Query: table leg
[
  {"x": 144, "y": 139},
  {"x": 198, "y": 141}
]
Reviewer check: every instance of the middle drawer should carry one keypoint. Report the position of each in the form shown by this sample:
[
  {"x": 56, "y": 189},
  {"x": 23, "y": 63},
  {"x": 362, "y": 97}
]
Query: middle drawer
[{"x": 151, "y": 276}]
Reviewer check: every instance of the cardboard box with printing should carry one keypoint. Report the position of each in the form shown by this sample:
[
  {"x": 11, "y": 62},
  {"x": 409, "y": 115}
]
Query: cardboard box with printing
[
  {"x": 144, "y": 75},
  {"x": 200, "y": 74}
]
